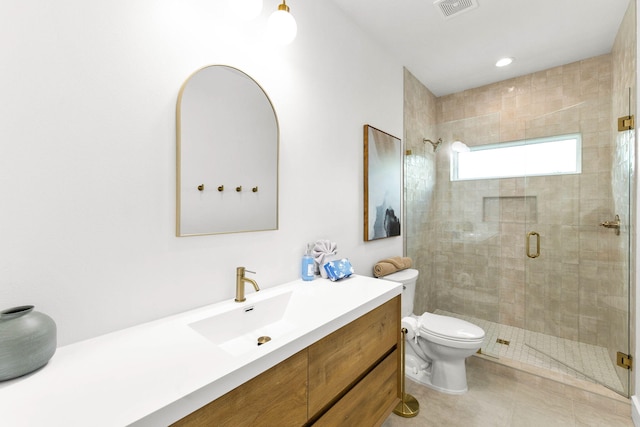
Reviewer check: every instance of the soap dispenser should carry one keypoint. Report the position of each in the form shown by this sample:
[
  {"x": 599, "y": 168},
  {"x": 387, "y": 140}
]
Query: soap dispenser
[{"x": 308, "y": 265}]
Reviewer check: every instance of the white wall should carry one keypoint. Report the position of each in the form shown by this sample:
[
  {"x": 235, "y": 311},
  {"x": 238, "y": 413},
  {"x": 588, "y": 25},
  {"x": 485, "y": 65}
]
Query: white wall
[{"x": 87, "y": 155}]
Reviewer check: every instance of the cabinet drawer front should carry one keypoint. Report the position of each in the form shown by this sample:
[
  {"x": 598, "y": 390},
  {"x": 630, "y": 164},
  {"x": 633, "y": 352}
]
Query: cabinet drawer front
[
  {"x": 337, "y": 361},
  {"x": 278, "y": 396},
  {"x": 370, "y": 402}
]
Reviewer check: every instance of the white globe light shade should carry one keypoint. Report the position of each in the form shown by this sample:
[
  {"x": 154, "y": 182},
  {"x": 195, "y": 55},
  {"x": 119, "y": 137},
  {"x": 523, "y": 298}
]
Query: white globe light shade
[
  {"x": 460, "y": 147},
  {"x": 282, "y": 27}
]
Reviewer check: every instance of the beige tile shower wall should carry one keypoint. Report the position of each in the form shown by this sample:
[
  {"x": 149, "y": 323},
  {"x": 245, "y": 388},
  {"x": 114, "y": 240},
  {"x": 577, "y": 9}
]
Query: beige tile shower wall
[
  {"x": 624, "y": 96},
  {"x": 420, "y": 181},
  {"x": 481, "y": 226},
  {"x": 467, "y": 238}
]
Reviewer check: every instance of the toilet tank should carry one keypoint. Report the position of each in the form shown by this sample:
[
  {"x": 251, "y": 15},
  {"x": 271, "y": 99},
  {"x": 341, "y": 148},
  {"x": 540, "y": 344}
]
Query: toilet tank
[{"x": 408, "y": 279}]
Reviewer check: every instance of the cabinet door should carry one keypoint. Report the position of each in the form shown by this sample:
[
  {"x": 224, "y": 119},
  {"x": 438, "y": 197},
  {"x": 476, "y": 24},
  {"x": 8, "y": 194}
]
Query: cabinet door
[
  {"x": 370, "y": 401},
  {"x": 277, "y": 397},
  {"x": 339, "y": 360}
]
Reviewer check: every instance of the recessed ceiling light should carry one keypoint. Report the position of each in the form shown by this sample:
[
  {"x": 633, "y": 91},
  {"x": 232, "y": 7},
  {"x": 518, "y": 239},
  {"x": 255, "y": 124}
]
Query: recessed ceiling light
[{"x": 504, "y": 62}]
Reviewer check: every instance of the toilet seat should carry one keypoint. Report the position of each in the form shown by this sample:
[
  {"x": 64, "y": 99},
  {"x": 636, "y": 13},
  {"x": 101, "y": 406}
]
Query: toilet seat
[{"x": 449, "y": 328}]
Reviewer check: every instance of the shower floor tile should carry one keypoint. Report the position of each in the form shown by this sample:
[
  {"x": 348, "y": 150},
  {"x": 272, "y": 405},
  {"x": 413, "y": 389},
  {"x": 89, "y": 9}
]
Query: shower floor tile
[{"x": 582, "y": 361}]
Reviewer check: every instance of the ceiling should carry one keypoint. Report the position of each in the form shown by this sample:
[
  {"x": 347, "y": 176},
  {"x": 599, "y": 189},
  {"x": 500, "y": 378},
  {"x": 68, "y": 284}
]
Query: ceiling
[{"x": 452, "y": 54}]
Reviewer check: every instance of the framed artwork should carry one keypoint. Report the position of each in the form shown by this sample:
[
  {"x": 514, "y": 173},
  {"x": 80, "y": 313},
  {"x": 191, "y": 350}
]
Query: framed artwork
[{"x": 382, "y": 184}]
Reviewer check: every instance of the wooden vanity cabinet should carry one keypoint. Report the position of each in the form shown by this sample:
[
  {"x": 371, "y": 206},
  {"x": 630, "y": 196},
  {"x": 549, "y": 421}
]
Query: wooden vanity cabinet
[
  {"x": 348, "y": 378},
  {"x": 277, "y": 397},
  {"x": 370, "y": 401},
  {"x": 342, "y": 359}
]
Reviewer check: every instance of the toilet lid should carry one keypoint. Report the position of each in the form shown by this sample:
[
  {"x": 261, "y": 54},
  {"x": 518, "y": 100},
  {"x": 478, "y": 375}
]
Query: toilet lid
[
  {"x": 402, "y": 276},
  {"x": 450, "y": 327}
]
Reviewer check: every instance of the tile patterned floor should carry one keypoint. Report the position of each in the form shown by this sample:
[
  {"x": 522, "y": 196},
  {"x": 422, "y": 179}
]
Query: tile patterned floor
[
  {"x": 582, "y": 361},
  {"x": 500, "y": 396}
]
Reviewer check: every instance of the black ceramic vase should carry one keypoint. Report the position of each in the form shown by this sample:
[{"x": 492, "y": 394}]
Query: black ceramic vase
[{"x": 27, "y": 341}]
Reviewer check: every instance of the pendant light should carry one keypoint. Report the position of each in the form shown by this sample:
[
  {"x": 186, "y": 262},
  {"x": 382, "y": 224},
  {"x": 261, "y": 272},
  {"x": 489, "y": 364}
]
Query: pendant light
[{"x": 282, "y": 27}]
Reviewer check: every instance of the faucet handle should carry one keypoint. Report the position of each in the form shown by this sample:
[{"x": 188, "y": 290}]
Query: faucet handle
[{"x": 242, "y": 270}]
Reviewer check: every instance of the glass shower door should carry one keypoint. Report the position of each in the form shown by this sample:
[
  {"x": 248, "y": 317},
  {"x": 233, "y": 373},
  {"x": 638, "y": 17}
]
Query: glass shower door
[{"x": 577, "y": 251}]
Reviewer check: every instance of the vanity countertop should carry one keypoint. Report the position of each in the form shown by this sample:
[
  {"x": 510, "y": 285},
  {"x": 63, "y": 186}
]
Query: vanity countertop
[{"x": 158, "y": 372}]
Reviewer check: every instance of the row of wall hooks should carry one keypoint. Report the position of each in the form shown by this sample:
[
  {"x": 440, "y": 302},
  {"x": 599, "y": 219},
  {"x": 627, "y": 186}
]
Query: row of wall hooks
[{"x": 221, "y": 188}]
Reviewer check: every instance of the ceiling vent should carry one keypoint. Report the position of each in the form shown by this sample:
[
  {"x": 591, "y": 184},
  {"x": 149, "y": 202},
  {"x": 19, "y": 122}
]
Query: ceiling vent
[{"x": 451, "y": 8}]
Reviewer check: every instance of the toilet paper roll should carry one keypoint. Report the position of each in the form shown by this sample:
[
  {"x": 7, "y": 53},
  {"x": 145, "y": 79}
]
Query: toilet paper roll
[{"x": 411, "y": 325}]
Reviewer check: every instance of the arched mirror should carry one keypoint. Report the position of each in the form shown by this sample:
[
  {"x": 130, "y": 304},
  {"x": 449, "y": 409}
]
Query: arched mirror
[{"x": 227, "y": 154}]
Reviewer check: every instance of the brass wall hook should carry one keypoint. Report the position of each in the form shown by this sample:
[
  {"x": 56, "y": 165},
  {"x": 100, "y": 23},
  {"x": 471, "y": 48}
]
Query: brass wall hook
[
  {"x": 201, "y": 187},
  {"x": 255, "y": 189},
  {"x": 239, "y": 188},
  {"x": 220, "y": 187}
]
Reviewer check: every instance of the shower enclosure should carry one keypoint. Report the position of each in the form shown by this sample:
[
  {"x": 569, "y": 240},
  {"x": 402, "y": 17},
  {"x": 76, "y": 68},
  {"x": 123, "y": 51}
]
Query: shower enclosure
[
  {"x": 577, "y": 290},
  {"x": 541, "y": 262}
]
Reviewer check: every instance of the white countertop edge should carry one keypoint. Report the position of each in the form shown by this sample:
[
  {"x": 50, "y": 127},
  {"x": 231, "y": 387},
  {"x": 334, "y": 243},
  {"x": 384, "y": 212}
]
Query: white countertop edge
[{"x": 194, "y": 401}]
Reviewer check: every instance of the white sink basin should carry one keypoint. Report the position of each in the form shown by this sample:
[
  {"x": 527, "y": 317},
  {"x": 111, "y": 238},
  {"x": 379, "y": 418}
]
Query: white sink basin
[{"x": 237, "y": 328}]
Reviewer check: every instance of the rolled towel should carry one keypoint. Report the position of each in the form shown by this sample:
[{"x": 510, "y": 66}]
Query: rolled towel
[
  {"x": 391, "y": 265},
  {"x": 383, "y": 268},
  {"x": 400, "y": 263}
]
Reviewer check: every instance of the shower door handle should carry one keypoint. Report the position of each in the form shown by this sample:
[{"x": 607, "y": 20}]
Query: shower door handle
[
  {"x": 613, "y": 224},
  {"x": 537, "y": 236}
]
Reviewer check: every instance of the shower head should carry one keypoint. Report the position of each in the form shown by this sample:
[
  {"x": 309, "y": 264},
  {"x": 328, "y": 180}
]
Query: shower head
[{"x": 434, "y": 144}]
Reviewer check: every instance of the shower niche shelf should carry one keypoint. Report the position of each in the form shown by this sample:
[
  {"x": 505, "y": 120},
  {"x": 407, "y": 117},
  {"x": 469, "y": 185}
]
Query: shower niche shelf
[{"x": 512, "y": 209}]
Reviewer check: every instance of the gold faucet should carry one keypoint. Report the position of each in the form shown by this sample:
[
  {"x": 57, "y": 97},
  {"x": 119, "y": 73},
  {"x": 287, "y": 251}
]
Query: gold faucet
[{"x": 240, "y": 279}]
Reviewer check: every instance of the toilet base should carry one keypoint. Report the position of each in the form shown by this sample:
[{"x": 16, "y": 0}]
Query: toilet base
[{"x": 455, "y": 383}]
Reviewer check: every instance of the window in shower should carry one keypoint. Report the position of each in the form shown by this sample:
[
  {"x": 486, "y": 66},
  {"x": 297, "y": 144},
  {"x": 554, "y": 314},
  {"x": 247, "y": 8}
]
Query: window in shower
[{"x": 556, "y": 155}]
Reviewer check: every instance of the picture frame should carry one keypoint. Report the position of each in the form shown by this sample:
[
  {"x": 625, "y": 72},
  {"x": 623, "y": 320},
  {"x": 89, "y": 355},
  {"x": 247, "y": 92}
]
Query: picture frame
[{"x": 382, "y": 184}]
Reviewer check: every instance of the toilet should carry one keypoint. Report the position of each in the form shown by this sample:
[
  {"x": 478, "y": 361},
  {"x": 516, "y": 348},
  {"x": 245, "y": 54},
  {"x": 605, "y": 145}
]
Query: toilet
[{"x": 436, "y": 346}]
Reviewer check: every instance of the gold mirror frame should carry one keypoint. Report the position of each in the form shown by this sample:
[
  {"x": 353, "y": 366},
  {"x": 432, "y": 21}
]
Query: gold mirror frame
[{"x": 227, "y": 154}]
